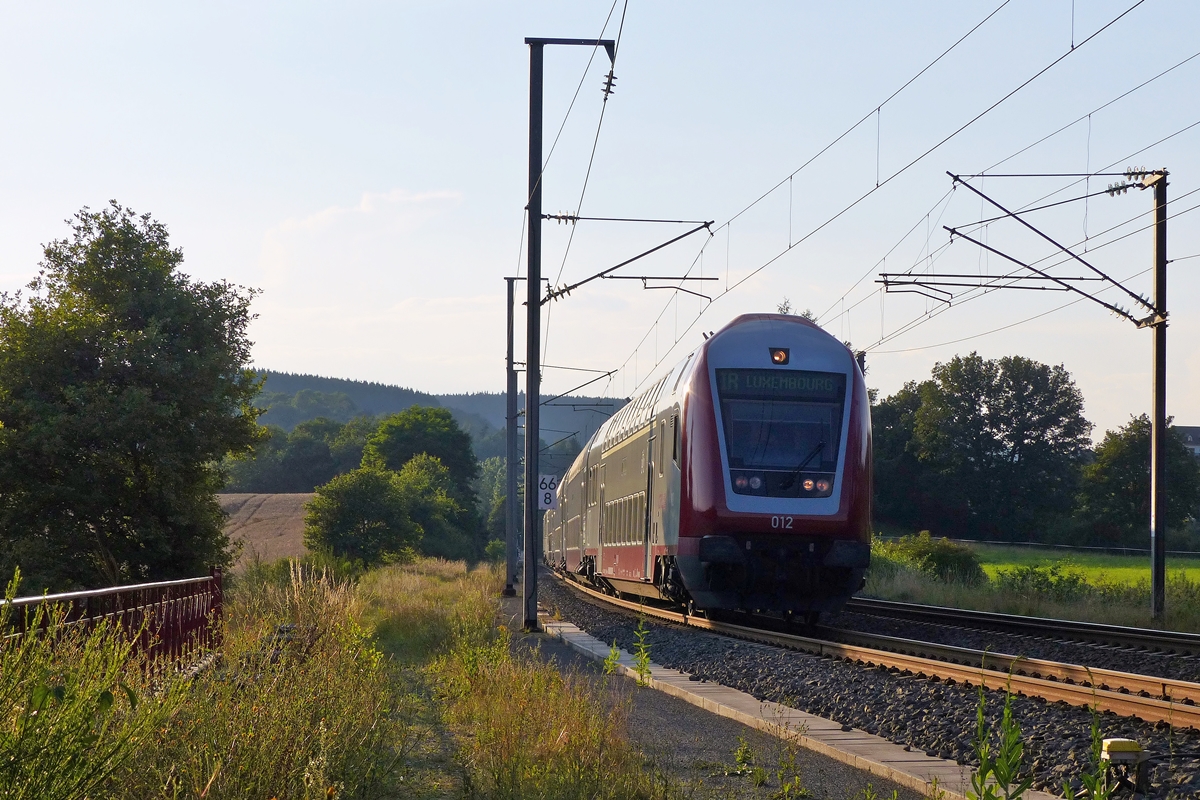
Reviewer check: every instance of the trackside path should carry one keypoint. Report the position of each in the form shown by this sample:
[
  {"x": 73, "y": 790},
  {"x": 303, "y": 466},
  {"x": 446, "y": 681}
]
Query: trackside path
[{"x": 697, "y": 749}]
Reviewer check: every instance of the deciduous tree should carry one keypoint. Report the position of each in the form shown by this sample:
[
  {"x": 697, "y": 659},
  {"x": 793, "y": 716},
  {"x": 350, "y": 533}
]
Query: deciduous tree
[
  {"x": 429, "y": 490},
  {"x": 1115, "y": 493},
  {"x": 429, "y": 430},
  {"x": 365, "y": 515},
  {"x": 1005, "y": 437},
  {"x": 123, "y": 383}
]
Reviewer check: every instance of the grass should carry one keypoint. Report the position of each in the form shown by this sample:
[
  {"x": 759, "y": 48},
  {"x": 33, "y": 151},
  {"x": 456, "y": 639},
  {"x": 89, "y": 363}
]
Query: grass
[
  {"x": 1037, "y": 584},
  {"x": 520, "y": 727},
  {"x": 1096, "y": 567},
  {"x": 305, "y": 710},
  {"x": 332, "y": 682},
  {"x": 397, "y": 685}
]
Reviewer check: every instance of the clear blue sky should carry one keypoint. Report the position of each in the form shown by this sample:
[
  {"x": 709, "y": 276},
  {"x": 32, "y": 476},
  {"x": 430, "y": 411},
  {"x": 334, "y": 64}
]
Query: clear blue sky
[{"x": 363, "y": 164}]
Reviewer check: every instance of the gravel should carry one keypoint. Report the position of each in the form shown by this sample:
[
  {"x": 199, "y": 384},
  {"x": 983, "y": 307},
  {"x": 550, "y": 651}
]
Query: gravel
[
  {"x": 935, "y": 717},
  {"x": 1121, "y": 659}
]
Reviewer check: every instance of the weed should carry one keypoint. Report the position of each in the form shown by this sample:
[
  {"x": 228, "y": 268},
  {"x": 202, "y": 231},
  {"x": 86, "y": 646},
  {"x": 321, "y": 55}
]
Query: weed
[
  {"x": 641, "y": 653},
  {"x": 612, "y": 660},
  {"x": 303, "y": 705},
  {"x": 869, "y": 793},
  {"x": 787, "y": 772},
  {"x": 743, "y": 757},
  {"x": 1094, "y": 785},
  {"x": 76, "y": 704},
  {"x": 999, "y": 767}
]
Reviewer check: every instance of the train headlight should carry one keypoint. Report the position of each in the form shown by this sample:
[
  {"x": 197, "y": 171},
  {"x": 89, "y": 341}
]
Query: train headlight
[
  {"x": 780, "y": 355},
  {"x": 822, "y": 485},
  {"x": 740, "y": 481},
  {"x": 756, "y": 482},
  {"x": 808, "y": 484}
]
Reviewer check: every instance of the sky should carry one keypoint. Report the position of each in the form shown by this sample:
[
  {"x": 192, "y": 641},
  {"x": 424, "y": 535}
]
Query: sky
[{"x": 362, "y": 165}]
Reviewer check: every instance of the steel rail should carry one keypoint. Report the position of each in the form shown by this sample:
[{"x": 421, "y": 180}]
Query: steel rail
[
  {"x": 1178, "y": 709},
  {"x": 1109, "y": 680},
  {"x": 1058, "y": 629}
]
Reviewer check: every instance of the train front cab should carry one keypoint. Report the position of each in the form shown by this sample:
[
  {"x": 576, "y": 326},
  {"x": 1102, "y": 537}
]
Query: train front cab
[{"x": 776, "y": 470}]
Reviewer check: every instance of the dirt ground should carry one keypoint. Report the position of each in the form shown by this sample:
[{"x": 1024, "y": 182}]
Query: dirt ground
[{"x": 271, "y": 525}]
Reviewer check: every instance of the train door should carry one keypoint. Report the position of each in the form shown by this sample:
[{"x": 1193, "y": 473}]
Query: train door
[
  {"x": 600, "y": 527},
  {"x": 648, "y": 515},
  {"x": 563, "y": 516}
]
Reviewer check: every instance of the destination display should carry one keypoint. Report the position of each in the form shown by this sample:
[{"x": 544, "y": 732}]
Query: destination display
[{"x": 780, "y": 383}]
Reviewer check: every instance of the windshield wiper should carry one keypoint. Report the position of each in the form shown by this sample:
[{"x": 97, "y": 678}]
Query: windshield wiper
[{"x": 796, "y": 473}]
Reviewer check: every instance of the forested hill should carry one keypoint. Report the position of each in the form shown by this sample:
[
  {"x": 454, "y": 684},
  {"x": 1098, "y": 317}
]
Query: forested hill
[
  {"x": 367, "y": 397},
  {"x": 292, "y": 399}
]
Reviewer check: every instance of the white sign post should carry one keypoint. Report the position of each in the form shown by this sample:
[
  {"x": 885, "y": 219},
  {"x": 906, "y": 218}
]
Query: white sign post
[{"x": 547, "y": 494}]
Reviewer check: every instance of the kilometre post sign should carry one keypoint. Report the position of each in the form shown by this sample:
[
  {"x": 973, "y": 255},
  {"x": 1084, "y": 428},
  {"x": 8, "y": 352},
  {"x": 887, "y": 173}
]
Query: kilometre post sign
[{"x": 547, "y": 496}]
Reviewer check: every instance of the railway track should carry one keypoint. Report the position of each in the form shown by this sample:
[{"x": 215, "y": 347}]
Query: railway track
[
  {"x": 1127, "y": 694},
  {"x": 1156, "y": 641}
]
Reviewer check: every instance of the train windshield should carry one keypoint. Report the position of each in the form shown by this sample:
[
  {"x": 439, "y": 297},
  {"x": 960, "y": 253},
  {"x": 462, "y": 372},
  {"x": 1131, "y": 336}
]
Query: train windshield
[{"x": 782, "y": 430}]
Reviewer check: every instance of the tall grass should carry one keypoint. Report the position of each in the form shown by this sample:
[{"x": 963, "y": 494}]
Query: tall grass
[
  {"x": 522, "y": 727},
  {"x": 1055, "y": 589},
  {"x": 399, "y": 685},
  {"x": 300, "y": 707},
  {"x": 75, "y": 705}
]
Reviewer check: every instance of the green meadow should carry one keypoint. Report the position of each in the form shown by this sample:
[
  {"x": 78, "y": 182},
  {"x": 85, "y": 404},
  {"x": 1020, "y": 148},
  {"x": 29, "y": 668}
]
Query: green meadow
[{"x": 1096, "y": 566}]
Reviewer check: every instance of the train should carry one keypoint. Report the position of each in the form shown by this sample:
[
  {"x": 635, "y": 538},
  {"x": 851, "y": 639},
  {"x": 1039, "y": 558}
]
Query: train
[{"x": 740, "y": 481}]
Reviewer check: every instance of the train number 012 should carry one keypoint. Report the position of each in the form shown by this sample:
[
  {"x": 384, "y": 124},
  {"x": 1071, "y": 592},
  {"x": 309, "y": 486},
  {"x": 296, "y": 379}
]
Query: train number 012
[{"x": 781, "y": 522}]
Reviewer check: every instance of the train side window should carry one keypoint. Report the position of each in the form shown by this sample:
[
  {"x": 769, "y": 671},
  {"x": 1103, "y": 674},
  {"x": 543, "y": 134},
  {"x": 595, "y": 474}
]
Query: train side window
[
  {"x": 629, "y": 524},
  {"x": 660, "y": 458},
  {"x": 616, "y": 530},
  {"x": 675, "y": 438}
]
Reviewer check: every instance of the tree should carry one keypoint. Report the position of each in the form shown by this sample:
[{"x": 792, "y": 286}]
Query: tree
[
  {"x": 1005, "y": 437},
  {"x": 306, "y": 462},
  {"x": 123, "y": 383},
  {"x": 374, "y": 514},
  {"x": 258, "y": 470},
  {"x": 429, "y": 491},
  {"x": 363, "y": 515},
  {"x": 288, "y": 410},
  {"x": 1115, "y": 492},
  {"x": 312, "y": 454},
  {"x": 348, "y": 443},
  {"x": 900, "y": 477},
  {"x": 428, "y": 430}
]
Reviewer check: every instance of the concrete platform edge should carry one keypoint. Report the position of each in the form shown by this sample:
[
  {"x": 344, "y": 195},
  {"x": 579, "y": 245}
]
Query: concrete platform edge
[{"x": 873, "y": 754}]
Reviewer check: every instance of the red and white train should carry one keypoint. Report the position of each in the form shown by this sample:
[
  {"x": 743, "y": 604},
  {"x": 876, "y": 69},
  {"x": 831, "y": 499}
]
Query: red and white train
[{"x": 739, "y": 481}]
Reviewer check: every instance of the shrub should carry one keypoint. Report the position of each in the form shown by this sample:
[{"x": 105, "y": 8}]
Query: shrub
[
  {"x": 362, "y": 515},
  {"x": 1059, "y": 581},
  {"x": 939, "y": 558},
  {"x": 496, "y": 551}
]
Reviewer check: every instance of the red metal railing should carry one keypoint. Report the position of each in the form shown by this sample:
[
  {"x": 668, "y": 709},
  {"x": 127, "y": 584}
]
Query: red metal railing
[{"x": 171, "y": 619}]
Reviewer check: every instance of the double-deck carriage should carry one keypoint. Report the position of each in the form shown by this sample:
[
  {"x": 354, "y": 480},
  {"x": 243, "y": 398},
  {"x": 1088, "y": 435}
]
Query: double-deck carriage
[{"x": 741, "y": 480}]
